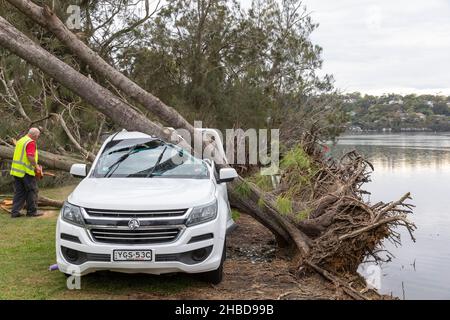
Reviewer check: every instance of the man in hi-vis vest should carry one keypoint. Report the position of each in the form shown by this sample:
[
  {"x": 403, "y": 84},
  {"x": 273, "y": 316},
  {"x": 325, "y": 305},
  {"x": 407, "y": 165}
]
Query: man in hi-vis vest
[{"x": 23, "y": 168}]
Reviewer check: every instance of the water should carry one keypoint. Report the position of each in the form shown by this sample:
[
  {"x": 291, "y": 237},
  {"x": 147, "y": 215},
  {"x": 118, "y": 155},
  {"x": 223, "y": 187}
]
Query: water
[{"x": 420, "y": 164}]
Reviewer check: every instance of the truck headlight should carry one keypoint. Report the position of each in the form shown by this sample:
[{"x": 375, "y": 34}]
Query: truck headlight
[
  {"x": 72, "y": 214},
  {"x": 202, "y": 214}
]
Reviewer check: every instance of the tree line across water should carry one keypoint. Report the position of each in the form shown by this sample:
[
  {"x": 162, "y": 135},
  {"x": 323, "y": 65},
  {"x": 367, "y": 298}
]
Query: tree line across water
[{"x": 395, "y": 112}]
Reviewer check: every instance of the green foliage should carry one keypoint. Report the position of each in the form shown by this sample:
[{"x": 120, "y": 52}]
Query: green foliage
[
  {"x": 263, "y": 182},
  {"x": 284, "y": 205},
  {"x": 261, "y": 203},
  {"x": 229, "y": 65},
  {"x": 296, "y": 158},
  {"x": 243, "y": 189},
  {"x": 235, "y": 215},
  {"x": 298, "y": 170},
  {"x": 303, "y": 215}
]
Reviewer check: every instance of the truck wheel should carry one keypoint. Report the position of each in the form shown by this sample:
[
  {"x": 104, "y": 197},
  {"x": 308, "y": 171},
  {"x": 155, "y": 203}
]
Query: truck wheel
[{"x": 216, "y": 276}]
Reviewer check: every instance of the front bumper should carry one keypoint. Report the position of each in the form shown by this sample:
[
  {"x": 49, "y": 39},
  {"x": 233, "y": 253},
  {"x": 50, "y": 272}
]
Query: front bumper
[{"x": 179, "y": 246}]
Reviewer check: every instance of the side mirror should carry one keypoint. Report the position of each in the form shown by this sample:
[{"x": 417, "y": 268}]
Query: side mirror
[
  {"x": 227, "y": 175},
  {"x": 78, "y": 170}
]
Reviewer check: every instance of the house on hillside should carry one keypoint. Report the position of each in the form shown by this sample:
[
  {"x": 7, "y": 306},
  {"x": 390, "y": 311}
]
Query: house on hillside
[
  {"x": 395, "y": 101},
  {"x": 420, "y": 115},
  {"x": 349, "y": 100},
  {"x": 355, "y": 129}
]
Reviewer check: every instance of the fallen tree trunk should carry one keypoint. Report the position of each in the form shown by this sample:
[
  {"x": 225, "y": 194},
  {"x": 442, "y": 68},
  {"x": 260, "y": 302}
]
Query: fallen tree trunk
[
  {"x": 99, "y": 97},
  {"x": 47, "y": 202},
  {"x": 42, "y": 201},
  {"x": 246, "y": 198},
  {"x": 47, "y": 19},
  {"x": 47, "y": 159}
]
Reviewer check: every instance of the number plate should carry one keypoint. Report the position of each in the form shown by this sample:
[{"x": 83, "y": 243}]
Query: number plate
[{"x": 132, "y": 255}]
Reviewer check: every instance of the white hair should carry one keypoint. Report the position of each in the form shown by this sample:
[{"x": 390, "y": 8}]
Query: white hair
[{"x": 34, "y": 132}]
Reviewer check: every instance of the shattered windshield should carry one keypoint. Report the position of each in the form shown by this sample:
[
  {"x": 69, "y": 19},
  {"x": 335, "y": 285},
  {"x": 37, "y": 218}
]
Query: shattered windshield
[{"x": 138, "y": 158}]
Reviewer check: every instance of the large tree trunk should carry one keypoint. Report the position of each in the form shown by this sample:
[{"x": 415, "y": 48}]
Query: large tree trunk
[
  {"x": 99, "y": 97},
  {"x": 47, "y": 202},
  {"x": 46, "y": 18},
  {"x": 254, "y": 202},
  {"x": 46, "y": 159}
]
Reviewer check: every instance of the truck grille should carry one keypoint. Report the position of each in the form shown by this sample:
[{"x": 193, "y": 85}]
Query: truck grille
[
  {"x": 135, "y": 214},
  {"x": 141, "y": 236}
]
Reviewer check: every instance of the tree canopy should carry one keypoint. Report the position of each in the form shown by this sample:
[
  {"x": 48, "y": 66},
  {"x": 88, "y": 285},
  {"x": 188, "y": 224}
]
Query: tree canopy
[{"x": 209, "y": 59}]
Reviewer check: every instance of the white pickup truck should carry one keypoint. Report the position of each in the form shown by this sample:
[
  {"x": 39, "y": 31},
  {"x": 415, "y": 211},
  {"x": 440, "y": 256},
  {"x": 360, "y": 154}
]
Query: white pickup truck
[{"x": 145, "y": 206}]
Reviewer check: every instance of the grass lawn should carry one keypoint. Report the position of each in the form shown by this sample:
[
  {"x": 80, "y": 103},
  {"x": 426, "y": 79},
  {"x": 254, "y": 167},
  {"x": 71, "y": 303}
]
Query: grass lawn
[{"x": 27, "y": 249}]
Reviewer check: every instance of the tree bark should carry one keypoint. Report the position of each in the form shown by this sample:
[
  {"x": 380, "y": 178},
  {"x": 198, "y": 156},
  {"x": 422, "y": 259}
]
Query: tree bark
[
  {"x": 47, "y": 202},
  {"x": 248, "y": 203},
  {"x": 46, "y": 159},
  {"x": 47, "y": 19}
]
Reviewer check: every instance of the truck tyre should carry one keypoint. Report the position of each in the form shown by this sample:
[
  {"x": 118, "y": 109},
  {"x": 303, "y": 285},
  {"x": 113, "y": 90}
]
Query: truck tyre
[{"x": 216, "y": 276}]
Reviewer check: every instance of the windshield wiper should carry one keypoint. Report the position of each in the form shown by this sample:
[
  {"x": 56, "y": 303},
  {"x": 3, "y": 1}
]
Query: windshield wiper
[
  {"x": 116, "y": 164},
  {"x": 150, "y": 173}
]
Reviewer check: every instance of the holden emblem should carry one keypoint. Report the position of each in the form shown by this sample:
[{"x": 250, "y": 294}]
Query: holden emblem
[{"x": 133, "y": 224}]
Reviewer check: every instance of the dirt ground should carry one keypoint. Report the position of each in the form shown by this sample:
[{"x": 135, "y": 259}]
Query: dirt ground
[{"x": 256, "y": 269}]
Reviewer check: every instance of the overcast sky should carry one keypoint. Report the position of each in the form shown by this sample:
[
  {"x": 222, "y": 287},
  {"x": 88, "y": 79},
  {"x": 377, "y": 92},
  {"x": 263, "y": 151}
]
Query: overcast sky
[{"x": 381, "y": 46}]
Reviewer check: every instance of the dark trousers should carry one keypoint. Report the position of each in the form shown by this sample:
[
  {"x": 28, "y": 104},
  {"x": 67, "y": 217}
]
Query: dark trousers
[{"x": 25, "y": 190}]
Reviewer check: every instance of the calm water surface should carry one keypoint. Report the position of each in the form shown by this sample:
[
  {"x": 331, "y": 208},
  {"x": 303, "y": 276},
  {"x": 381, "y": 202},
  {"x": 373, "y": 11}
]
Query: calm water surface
[{"x": 420, "y": 164}]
